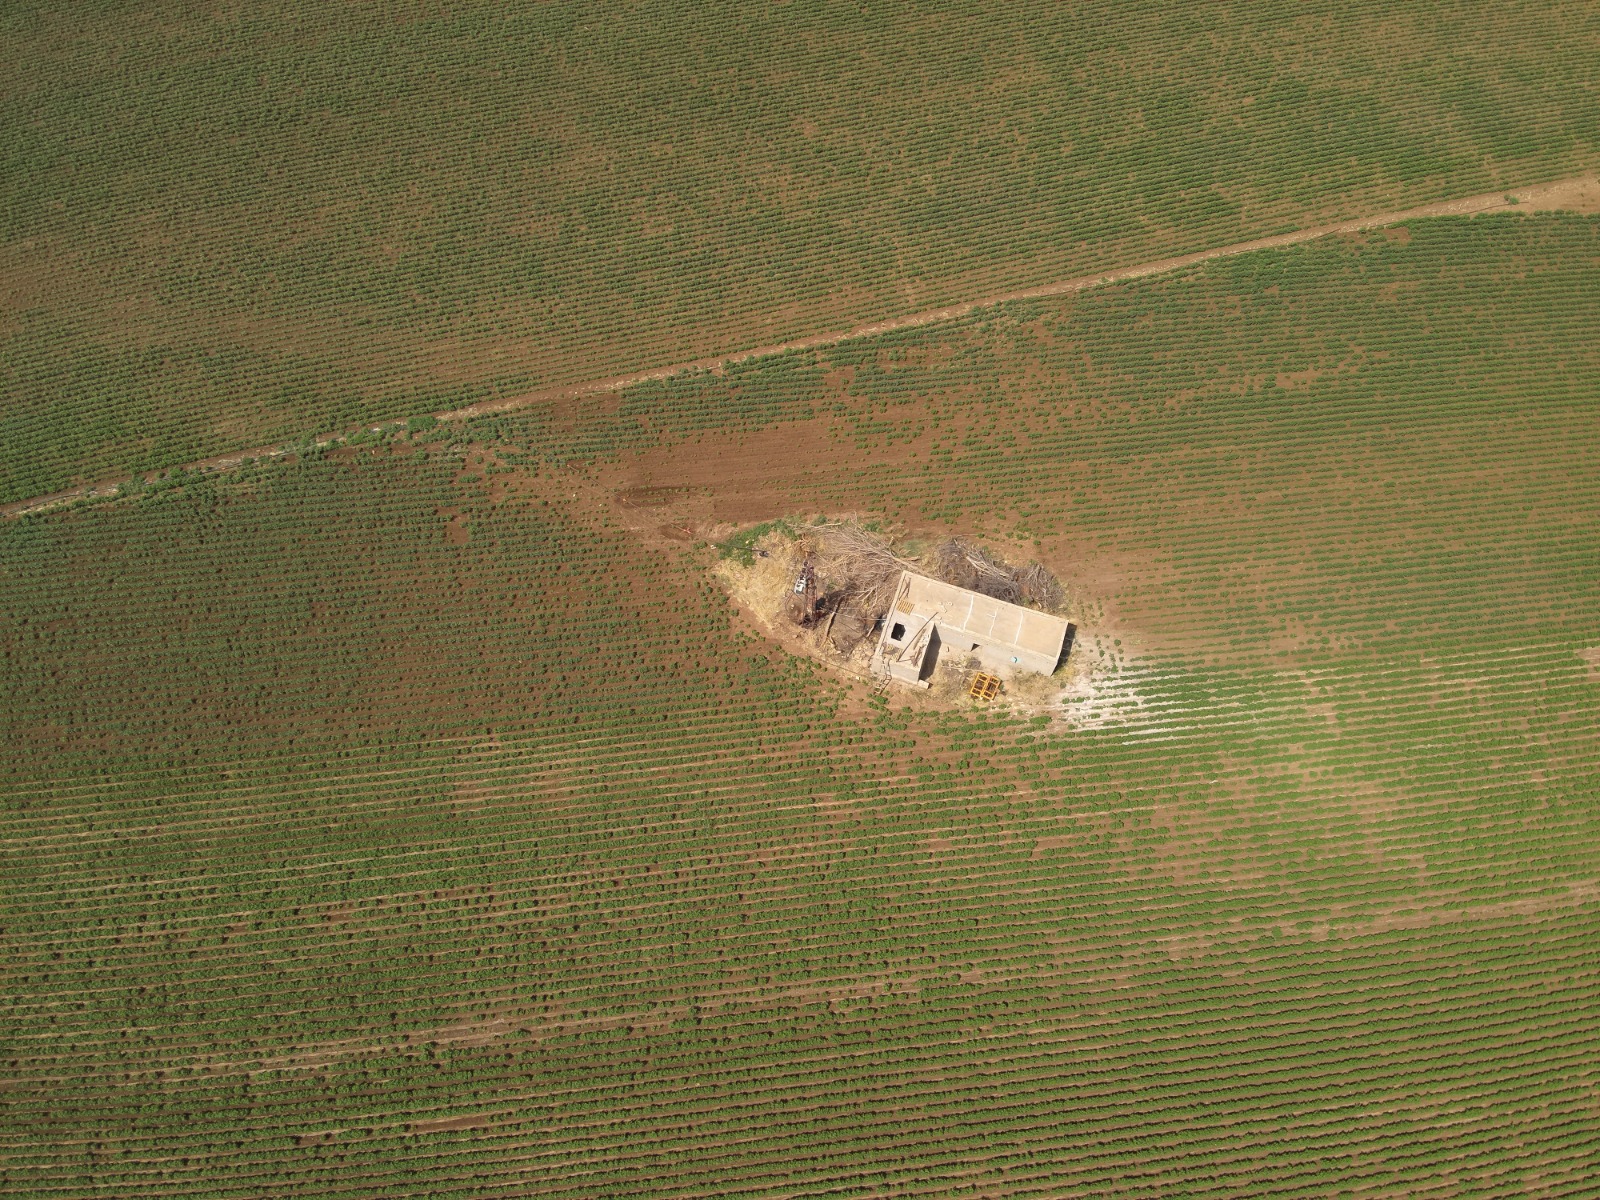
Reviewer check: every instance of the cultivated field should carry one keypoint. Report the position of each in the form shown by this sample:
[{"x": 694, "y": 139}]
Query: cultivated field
[
  {"x": 420, "y": 819},
  {"x": 226, "y": 225}
]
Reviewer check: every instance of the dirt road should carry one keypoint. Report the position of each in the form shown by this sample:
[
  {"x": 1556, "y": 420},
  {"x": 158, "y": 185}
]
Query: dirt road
[{"x": 1577, "y": 194}]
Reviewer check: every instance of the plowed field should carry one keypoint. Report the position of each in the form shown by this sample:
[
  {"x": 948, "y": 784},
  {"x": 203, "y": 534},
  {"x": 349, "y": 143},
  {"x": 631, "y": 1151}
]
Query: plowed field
[
  {"x": 222, "y": 226},
  {"x": 421, "y": 820}
]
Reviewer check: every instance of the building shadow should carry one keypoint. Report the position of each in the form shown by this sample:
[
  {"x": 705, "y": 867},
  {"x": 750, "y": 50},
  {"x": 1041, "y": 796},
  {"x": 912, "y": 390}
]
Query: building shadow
[{"x": 1066, "y": 646}]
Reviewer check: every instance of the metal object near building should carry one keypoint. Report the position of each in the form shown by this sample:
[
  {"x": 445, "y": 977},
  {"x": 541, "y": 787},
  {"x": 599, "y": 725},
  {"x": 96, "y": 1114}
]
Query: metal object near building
[
  {"x": 929, "y": 618},
  {"x": 984, "y": 686},
  {"x": 803, "y": 603}
]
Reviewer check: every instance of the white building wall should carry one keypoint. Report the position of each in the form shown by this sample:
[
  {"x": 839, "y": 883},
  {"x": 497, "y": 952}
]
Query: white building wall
[{"x": 1006, "y": 639}]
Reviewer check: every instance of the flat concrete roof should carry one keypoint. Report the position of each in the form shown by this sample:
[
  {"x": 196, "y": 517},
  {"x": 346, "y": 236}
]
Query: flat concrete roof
[{"x": 983, "y": 618}]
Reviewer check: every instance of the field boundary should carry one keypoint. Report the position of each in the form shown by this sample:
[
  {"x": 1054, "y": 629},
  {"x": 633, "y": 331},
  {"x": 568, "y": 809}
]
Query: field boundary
[{"x": 1578, "y": 193}]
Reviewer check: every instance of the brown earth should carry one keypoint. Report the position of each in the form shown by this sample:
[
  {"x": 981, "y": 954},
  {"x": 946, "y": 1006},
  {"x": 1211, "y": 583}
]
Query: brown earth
[
  {"x": 702, "y": 491},
  {"x": 724, "y": 480},
  {"x": 446, "y": 1123},
  {"x": 1437, "y": 913}
]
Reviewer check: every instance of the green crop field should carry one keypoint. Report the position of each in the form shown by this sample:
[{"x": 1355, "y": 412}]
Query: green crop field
[
  {"x": 222, "y": 226},
  {"x": 400, "y": 821}
]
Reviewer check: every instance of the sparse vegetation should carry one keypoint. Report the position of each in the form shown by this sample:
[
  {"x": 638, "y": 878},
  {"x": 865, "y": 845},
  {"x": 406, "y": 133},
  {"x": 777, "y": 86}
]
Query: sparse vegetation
[{"x": 741, "y": 546}]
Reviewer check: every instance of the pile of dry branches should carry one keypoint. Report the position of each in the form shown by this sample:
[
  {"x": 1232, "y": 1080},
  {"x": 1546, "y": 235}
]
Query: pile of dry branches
[
  {"x": 966, "y": 565},
  {"x": 865, "y": 568},
  {"x": 862, "y": 563}
]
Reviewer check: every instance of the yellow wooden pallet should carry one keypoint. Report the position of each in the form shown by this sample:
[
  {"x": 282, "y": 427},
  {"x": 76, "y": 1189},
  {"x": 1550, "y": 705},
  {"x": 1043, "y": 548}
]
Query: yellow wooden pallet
[{"x": 984, "y": 687}]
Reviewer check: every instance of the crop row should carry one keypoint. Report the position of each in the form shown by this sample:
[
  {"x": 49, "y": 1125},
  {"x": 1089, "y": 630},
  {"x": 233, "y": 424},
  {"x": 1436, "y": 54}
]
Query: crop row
[
  {"x": 374, "y": 796},
  {"x": 509, "y": 201}
]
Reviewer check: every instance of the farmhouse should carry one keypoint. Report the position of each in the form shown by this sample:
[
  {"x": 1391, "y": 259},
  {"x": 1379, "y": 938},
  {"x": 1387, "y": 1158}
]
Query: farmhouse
[{"x": 929, "y": 618}]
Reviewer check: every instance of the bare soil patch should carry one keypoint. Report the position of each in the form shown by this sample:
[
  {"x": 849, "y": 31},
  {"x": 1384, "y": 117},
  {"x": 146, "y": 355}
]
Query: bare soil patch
[
  {"x": 1580, "y": 194},
  {"x": 447, "y": 1123},
  {"x": 1044, "y": 845},
  {"x": 648, "y": 497},
  {"x": 762, "y": 589},
  {"x": 724, "y": 479},
  {"x": 1534, "y": 907},
  {"x": 705, "y": 489}
]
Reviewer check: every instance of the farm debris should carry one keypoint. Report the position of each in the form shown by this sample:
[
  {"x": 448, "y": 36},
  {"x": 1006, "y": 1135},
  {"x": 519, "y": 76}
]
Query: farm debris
[
  {"x": 849, "y": 629},
  {"x": 865, "y": 562},
  {"x": 827, "y": 590},
  {"x": 804, "y": 606},
  {"x": 984, "y": 687},
  {"x": 970, "y": 566}
]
